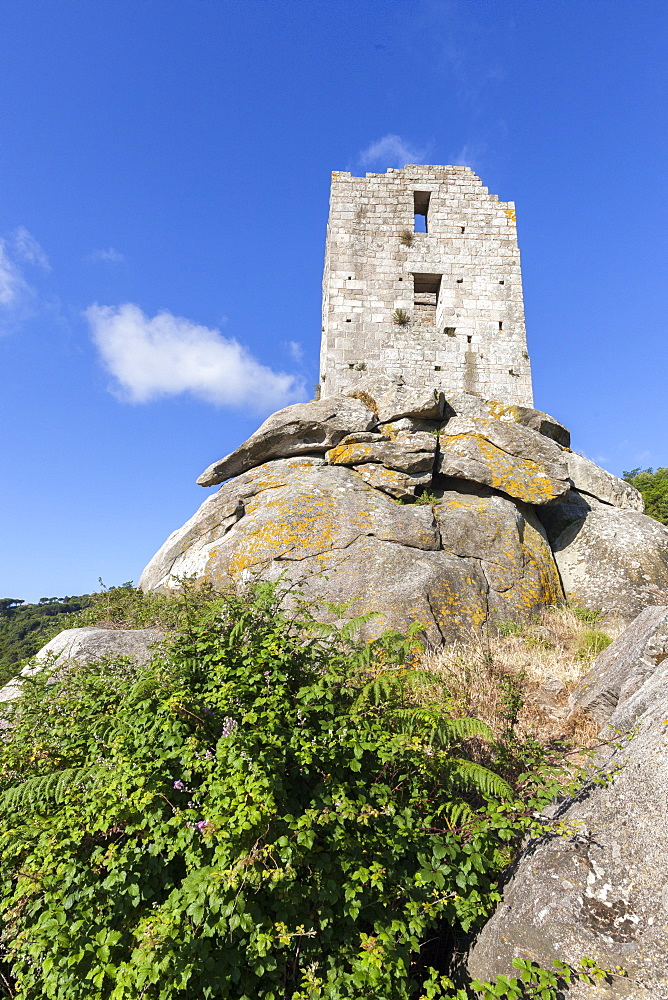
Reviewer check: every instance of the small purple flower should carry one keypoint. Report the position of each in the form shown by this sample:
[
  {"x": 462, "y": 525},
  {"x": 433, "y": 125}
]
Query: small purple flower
[
  {"x": 178, "y": 785},
  {"x": 203, "y": 825},
  {"x": 229, "y": 725}
]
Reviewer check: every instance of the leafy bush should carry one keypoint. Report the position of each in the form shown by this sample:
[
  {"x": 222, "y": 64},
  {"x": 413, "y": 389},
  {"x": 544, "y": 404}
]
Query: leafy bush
[
  {"x": 590, "y": 616},
  {"x": 509, "y": 628},
  {"x": 128, "y": 607},
  {"x": 427, "y": 497},
  {"x": 654, "y": 488},
  {"x": 261, "y": 812},
  {"x": 591, "y": 643}
]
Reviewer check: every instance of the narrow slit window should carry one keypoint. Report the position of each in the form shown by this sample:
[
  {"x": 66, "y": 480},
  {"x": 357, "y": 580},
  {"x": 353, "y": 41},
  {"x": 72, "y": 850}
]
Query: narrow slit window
[
  {"x": 468, "y": 340},
  {"x": 421, "y": 211},
  {"x": 500, "y": 325},
  {"x": 425, "y": 298}
]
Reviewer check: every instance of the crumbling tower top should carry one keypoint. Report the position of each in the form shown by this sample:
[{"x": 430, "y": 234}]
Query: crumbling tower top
[{"x": 422, "y": 280}]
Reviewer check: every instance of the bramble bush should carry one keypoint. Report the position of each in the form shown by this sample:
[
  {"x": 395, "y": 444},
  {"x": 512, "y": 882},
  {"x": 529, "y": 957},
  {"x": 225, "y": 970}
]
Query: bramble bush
[{"x": 264, "y": 811}]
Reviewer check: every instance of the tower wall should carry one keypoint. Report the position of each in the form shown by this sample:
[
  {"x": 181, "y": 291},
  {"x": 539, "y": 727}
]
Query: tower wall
[{"x": 441, "y": 308}]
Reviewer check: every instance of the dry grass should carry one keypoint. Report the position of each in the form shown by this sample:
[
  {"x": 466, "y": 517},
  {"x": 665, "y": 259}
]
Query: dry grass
[{"x": 538, "y": 662}]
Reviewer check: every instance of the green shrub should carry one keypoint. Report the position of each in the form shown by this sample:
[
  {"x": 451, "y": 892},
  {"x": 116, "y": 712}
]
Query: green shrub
[
  {"x": 589, "y": 616},
  {"x": 654, "y": 488},
  {"x": 258, "y": 813},
  {"x": 591, "y": 643},
  {"x": 509, "y": 628},
  {"x": 427, "y": 498}
]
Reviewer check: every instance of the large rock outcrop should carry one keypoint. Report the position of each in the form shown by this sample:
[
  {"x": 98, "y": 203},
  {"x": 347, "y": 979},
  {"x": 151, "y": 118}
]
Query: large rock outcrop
[
  {"x": 295, "y": 430},
  {"x": 86, "y": 645},
  {"x": 613, "y": 558},
  {"x": 448, "y": 565},
  {"x": 602, "y": 891},
  {"x": 311, "y": 497}
]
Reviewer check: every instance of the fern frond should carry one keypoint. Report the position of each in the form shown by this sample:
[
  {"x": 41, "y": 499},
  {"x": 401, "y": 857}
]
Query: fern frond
[
  {"x": 457, "y": 812},
  {"x": 391, "y": 683},
  {"x": 469, "y": 776},
  {"x": 45, "y": 791},
  {"x": 440, "y": 728}
]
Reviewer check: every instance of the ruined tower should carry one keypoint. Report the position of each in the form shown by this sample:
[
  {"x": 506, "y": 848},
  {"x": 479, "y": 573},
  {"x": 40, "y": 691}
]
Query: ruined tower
[{"x": 422, "y": 279}]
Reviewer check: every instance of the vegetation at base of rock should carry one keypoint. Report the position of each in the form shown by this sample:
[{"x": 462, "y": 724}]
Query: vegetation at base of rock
[
  {"x": 591, "y": 643},
  {"x": 128, "y": 607},
  {"x": 538, "y": 661},
  {"x": 654, "y": 488},
  {"x": 25, "y": 628},
  {"x": 265, "y": 810}
]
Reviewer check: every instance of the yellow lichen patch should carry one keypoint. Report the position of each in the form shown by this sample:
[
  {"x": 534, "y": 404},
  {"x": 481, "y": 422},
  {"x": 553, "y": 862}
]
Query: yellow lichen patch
[
  {"x": 380, "y": 477},
  {"x": 284, "y": 524},
  {"x": 349, "y": 454},
  {"x": 503, "y": 411},
  {"x": 521, "y": 478},
  {"x": 538, "y": 583},
  {"x": 510, "y": 212},
  {"x": 389, "y": 430}
]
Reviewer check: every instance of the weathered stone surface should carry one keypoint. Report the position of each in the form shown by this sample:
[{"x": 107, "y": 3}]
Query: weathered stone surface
[
  {"x": 466, "y": 405},
  {"x": 283, "y": 510},
  {"x": 86, "y": 645},
  {"x": 510, "y": 458},
  {"x": 410, "y": 425},
  {"x": 589, "y": 478},
  {"x": 447, "y": 594},
  {"x": 568, "y": 508},
  {"x": 326, "y": 528},
  {"x": 390, "y": 481},
  {"x": 395, "y": 400},
  {"x": 294, "y": 430},
  {"x": 509, "y": 542},
  {"x": 614, "y": 559},
  {"x": 413, "y": 454},
  {"x": 625, "y": 666},
  {"x": 603, "y": 891}
]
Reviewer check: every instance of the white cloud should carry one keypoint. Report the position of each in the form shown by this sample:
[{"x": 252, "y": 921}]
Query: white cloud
[
  {"x": 296, "y": 351},
  {"x": 168, "y": 355},
  {"x": 470, "y": 155},
  {"x": 15, "y": 293},
  {"x": 109, "y": 256},
  {"x": 12, "y": 283},
  {"x": 390, "y": 151},
  {"x": 28, "y": 249}
]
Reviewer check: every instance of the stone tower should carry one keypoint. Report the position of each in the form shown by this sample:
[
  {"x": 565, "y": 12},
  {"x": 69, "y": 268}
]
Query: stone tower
[{"x": 422, "y": 279}]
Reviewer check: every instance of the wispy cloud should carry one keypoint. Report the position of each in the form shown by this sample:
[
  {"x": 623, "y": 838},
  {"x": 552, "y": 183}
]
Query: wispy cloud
[
  {"x": 12, "y": 283},
  {"x": 471, "y": 155},
  {"x": 109, "y": 256},
  {"x": 28, "y": 249},
  {"x": 168, "y": 355},
  {"x": 390, "y": 151},
  {"x": 295, "y": 350},
  {"x": 15, "y": 292}
]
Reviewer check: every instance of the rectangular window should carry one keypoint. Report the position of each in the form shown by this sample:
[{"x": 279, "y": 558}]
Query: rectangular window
[
  {"x": 421, "y": 211},
  {"x": 425, "y": 298}
]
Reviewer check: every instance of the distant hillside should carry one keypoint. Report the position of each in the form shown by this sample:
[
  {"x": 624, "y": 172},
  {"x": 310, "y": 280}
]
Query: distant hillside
[{"x": 24, "y": 628}]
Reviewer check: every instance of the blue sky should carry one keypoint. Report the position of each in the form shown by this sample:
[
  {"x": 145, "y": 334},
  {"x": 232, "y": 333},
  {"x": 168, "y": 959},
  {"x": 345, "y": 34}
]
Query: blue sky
[{"x": 164, "y": 178}]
